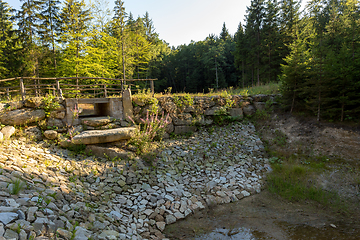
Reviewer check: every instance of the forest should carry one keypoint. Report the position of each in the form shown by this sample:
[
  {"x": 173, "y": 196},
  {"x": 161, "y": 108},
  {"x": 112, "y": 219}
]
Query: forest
[{"x": 314, "y": 53}]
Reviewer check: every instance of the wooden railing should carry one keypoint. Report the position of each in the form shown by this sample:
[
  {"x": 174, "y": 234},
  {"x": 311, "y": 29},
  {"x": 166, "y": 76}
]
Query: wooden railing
[{"x": 67, "y": 86}]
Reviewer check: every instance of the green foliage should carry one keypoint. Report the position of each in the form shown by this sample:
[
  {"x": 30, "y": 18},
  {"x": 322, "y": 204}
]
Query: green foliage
[
  {"x": 17, "y": 186},
  {"x": 77, "y": 148},
  {"x": 50, "y": 104},
  {"x": 291, "y": 182},
  {"x": 152, "y": 128}
]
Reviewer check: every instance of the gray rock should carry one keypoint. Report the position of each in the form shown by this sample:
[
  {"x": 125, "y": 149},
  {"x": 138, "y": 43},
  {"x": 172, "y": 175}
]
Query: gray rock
[
  {"x": 54, "y": 122},
  {"x": 10, "y": 234},
  {"x": 82, "y": 233},
  {"x": 249, "y": 110},
  {"x": 31, "y": 213},
  {"x": 236, "y": 112},
  {"x": 161, "y": 226},
  {"x": 109, "y": 234},
  {"x": 116, "y": 215},
  {"x": 260, "y": 106},
  {"x": 34, "y": 133},
  {"x": 170, "y": 219},
  {"x": 182, "y": 119},
  {"x": 104, "y": 136},
  {"x": 8, "y": 217},
  {"x": 22, "y": 116},
  {"x": 96, "y": 121},
  {"x": 51, "y": 134},
  {"x": 8, "y": 131},
  {"x": 64, "y": 233},
  {"x": 184, "y": 129}
]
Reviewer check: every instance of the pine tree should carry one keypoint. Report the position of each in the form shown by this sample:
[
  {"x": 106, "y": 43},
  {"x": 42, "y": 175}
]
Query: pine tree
[
  {"x": 241, "y": 52},
  {"x": 224, "y": 35},
  {"x": 271, "y": 42},
  {"x": 49, "y": 29},
  {"x": 6, "y": 38},
  {"x": 28, "y": 25},
  {"x": 253, "y": 32}
]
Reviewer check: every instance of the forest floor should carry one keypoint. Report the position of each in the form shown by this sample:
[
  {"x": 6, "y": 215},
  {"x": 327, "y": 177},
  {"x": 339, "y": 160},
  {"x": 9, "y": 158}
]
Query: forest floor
[{"x": 330, "y": 155}]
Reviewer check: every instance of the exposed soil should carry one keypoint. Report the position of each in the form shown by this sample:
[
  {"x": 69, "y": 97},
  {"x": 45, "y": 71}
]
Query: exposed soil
[{"x": 268, "y": 216}]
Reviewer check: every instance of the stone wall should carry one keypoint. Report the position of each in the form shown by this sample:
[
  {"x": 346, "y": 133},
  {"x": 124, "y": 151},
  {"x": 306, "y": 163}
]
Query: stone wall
[{"x": 185, "y": 113}]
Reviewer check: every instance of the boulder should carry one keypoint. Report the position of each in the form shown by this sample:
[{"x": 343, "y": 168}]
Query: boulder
[
  {"x": 236, "y": 112},
  {"x": 1, "y": 137},
  {"x": 249, "y": 110},
  {"x": 8, "y": 131},
  {"x": 34, "y": 102},
  {"x": 15, "y": 105},
  {"x": 51, "y": 134},
  {"x": 212, "y": 111},
  {"x": 103, "y": 136},
  {"x": 260, "y": 105},
  {"x": 54, "y": 122},
  {"x": 2, "y": 107},
  {"x": 22, "y": 116},
  {"x": 182, "y": 119}
]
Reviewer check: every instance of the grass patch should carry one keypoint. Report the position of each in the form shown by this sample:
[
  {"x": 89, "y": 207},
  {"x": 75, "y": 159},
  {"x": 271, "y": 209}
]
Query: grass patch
[
  {"x": 16, "y": 186},
  {"x": 294, "y": 183}
]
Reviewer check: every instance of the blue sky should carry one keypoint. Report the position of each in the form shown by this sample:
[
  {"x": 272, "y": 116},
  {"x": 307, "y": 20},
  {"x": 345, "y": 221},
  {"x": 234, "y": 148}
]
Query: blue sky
[{"x": 179, "y": 22}]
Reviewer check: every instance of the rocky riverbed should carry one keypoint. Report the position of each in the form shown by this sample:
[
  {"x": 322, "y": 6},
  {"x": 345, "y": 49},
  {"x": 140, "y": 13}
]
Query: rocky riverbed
[{"x": 68, "y": 196}]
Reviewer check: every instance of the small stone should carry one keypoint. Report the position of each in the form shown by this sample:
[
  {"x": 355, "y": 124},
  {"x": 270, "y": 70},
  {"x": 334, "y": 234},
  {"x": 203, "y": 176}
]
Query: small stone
[
  {"x": 8, "y": 217},
  {"x": 64, "y": 233},
  {"x": 31, "y": 213},
  {"x": 170, "y": 219},
  {"x": 10, "y": 234},
  {"x": 116, "y": 215},
  {"x": 161, "y": 226},
  {"x": 245, "y": 193}
]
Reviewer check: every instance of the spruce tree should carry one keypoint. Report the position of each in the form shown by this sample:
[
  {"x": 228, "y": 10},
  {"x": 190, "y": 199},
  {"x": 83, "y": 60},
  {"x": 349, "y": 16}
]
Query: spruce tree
[{"x": 49, "y": 29}]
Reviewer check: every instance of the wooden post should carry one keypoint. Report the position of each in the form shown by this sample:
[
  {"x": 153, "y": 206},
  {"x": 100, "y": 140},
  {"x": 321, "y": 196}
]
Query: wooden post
[
  {"x": 22, "y": 89},
  {"x": 54, "y": 87},
  {"x": 152, "y": 87},
  {"x": 58, "y": 88},
  {"x": 122, "y": 87},
  {"x": 8, "y": 94},
  {"x": 105, "y": 92},
  {"x": 36, "y": 89}
]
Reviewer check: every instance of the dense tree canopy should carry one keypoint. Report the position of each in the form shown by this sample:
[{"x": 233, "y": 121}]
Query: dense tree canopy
[{"x": 314, "y": 54}]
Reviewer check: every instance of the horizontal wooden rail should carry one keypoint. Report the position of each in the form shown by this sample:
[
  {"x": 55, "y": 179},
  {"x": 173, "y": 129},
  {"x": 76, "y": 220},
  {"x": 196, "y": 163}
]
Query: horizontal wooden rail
[{"x": 59, "y": 84}]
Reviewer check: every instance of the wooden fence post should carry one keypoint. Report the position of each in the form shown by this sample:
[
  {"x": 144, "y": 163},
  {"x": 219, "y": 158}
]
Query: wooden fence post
[
  {"x": 122, "y": 87},
  {"x": 8, "y": 94},
  {"x": 105, "y": 91},
  {"x": 22, "y": 89},
  {"x": 152, "y": 87},
  {"x": 58, "y": 88}
]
